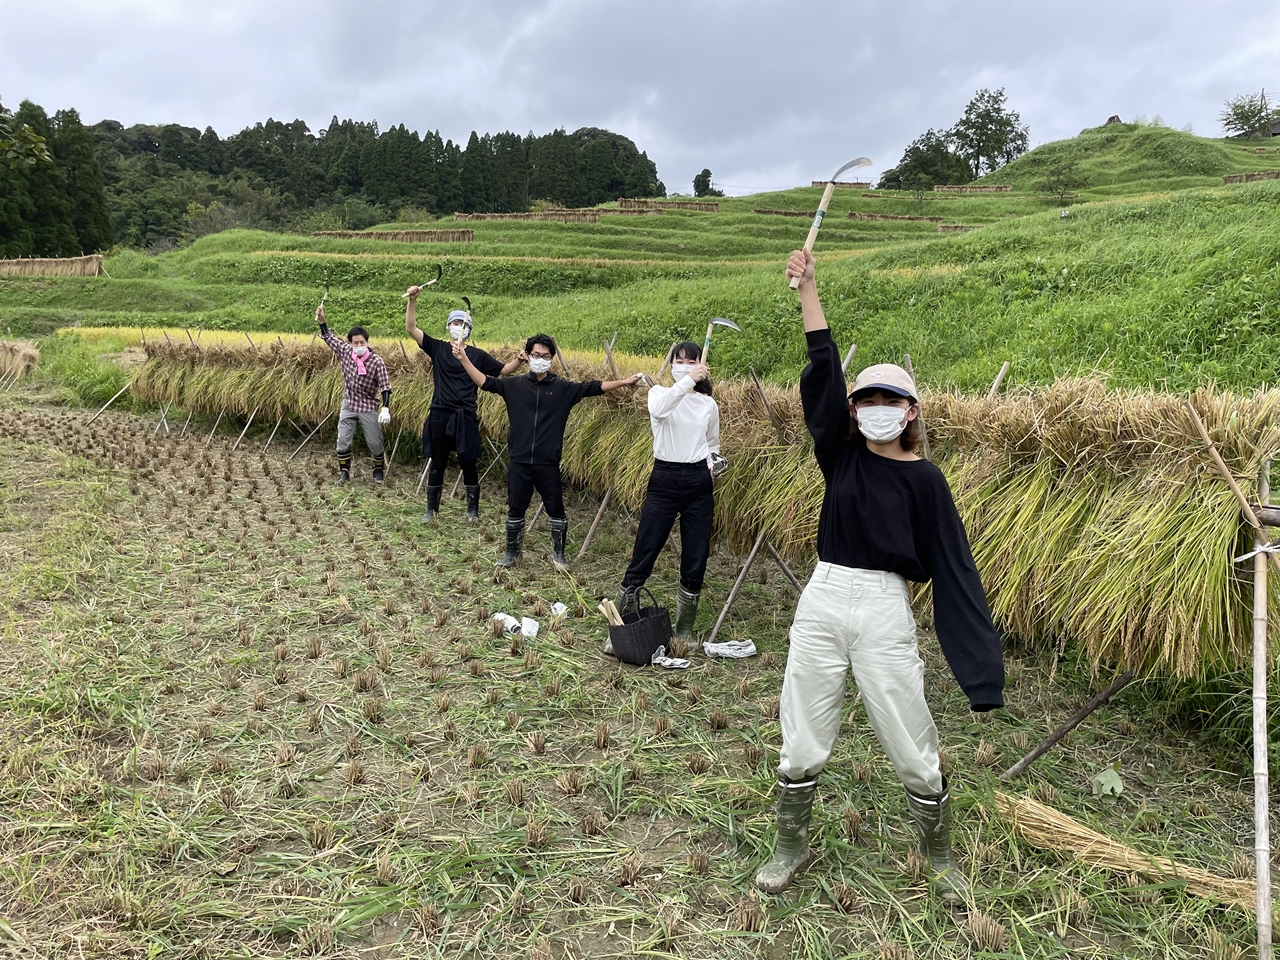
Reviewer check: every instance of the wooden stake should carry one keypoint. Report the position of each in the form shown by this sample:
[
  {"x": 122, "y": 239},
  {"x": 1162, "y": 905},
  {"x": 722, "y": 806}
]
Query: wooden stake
[
  {"x": 1116, "y": 685},
  {"x": 924, "y": 434},
  {"x": 737, "y": 585},
  {"x": 111, "y": 401},
  {"x": 309, "y": 436},
  {"x": 591, "y": 532},
  {"x": 608, "y": 355},
  {"x": 457, "y": 481},
  {"x": 1261, "y": 801},
  {"x": 215, "y": 426},
  {"x": 273, "y": 433},
  {"x": 187, "y": 423},
  {"x": 394, "y": 447},
  {"x": 995, "y": 384},
  {"x": 425, "y": 467},
  {"x": 251, "y": 343},
  {"x": 247, "y": 424},
  {"x": 848, "y": 357},
  {"x": 536, "y": 514},
  {"x": 497, "y": 458}
]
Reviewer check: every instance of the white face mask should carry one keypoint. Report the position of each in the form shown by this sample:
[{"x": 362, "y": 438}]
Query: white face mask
[
  {"x": 458, "y": 331},
  {"x": 681, "y": 370},
  {"x": 539, "y": 364},
  {"x": 881, "y": 424},
  {"x": 360, "y": 351}
]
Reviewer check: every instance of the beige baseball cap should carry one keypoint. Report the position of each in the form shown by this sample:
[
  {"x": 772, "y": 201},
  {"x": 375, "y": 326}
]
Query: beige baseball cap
[{"x": 886, "y": 377}]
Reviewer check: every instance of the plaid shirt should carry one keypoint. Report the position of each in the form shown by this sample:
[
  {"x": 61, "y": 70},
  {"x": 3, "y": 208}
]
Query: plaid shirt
[{"x": 359, "y": 393}]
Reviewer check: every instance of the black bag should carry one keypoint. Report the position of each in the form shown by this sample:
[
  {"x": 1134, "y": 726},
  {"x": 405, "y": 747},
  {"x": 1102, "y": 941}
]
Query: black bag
[{"x": 641, "y": 633}]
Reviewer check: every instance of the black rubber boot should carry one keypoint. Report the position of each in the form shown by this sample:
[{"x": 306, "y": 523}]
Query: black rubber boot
[
  {"x": 791, "y": 852},
  {"x": 515, "y": 542},
  {"x": 344, "y": 467},
  {"x": 559, "y": 533},
  {"x": 473, "y": 502},
  {"x": 379, "y": 468},
  {"x": 932, "y": 816},
  {"x": 686, "y": 612},
  {"x": 433, "y": 503}
]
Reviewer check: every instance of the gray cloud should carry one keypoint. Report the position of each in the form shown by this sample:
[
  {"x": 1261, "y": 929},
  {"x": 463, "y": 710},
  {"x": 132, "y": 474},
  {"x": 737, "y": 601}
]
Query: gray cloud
[{"x": 767, "y": 94}]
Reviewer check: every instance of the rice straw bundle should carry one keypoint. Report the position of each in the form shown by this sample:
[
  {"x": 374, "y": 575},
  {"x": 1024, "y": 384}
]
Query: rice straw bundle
[
  {"x": 1092, "y": 512},
  {"x": 1043, "y": 826},
  {"x": 18, "y": 358}
]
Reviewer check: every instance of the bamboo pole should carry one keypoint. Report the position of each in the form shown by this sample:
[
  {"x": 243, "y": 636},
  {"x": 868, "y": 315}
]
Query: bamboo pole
[
  {"x": 110, "y": 402},
  {"x": 777, "y": 557},
  {"x": 924, "y": 434},
  {"x": 995, "y": 384},
  {"x": 1261, "y": 800},
  {"x": 215, "y": 426},
  {"x": 247, "y": 424},
  {"x": 1045, "y": 745},
  {"x": 453, "y": 492},
  {"x": 394, "y": 447},
  {"x": 273, "y": 433},
  {"x": 497, "y": 458},
  {"x": 186, "y": 423},
  {"x": 591, "y": 532},
  {"x": 310, "y": 435},
  {"x": 422, "y": 479},
  {"x": 737, "y": 585},
  {"x": 164, "y": 413},
  {"x": 1245, "y": 508},
  {"x": 536, "y": 514}
]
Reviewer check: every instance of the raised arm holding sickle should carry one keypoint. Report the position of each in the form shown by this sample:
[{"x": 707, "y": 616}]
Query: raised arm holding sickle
[
  {"x": 452, "y": 425},
  {"x": 364, "y": 377},
  {"x": 538, "y": 407},
  {"x": 887, "y": 518}
]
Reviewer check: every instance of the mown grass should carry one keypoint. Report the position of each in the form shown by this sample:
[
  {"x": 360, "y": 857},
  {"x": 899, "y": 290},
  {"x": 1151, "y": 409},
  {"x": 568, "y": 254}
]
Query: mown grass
[{"x": 248, "y": 713}]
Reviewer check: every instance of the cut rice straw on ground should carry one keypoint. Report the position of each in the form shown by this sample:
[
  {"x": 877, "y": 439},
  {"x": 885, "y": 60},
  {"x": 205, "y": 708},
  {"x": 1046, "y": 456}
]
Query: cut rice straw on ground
[
  {"x": 1043, "y": 826},
  {"x": 18, "y": 358}
]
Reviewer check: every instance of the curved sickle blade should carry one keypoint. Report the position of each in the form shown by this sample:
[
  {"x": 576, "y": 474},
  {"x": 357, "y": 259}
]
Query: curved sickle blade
[
  {"x": 860, "y": 162},
  {"x": 467, "y": 301},
  {"x": 439, "y": 274},
  {"x": 722, "y": 322}
]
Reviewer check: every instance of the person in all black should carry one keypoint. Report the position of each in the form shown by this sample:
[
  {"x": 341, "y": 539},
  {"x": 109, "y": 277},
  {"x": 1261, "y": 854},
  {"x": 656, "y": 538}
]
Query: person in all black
[
  {"x": 686, "y": 440},
  {"x": 452, "y": 423},
  {"x": 538, "y": 407},
  {"x": 887, "y": 517}
]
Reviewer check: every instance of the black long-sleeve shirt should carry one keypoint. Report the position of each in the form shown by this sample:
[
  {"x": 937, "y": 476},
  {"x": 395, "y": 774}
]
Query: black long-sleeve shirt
[
  {"x": 538, "y": 411},
  {"x": 454, "y": 389},
  {"x": 899, "y": 516}
]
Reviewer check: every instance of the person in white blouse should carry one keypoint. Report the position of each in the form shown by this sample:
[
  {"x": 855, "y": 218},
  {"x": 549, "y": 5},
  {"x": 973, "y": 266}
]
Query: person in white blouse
[{"x": 686, "y": 442}]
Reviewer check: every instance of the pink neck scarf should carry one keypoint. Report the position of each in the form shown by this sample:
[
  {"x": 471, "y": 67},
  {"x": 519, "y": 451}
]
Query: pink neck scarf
[{"x": 359, "y": 362}]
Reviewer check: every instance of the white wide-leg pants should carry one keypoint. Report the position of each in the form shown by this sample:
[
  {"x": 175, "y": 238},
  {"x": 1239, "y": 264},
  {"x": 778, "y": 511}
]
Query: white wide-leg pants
[{"x": 859, "y": 619}]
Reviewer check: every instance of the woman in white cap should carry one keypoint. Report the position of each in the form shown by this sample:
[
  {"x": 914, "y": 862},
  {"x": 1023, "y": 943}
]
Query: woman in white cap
[
  {"x": 452, "y": 424},
  {"x": 887, "y": 517}
]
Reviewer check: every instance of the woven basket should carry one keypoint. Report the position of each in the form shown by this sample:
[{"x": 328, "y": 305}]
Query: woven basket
[{"x": 641, "y": 633}]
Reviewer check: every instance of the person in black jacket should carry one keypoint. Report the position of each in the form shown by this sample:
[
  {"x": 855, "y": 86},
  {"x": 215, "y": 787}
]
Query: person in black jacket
[
  {"x": 538, "y": 407},
  {"x": 452, "y": 423},
  {"x": 887, "y": 517}
]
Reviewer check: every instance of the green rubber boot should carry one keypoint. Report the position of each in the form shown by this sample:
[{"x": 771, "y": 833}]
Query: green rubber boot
[
  {"x": 932, "y": 816},
  {"x": 791, "y": 852},
  {"x": 686, "y": 612}
]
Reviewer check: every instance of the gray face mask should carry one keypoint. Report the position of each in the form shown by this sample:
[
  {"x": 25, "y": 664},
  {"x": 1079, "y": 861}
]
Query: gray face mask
[
  {"x": 539, "y": 364},
  {"x": 881, "y": 424}
]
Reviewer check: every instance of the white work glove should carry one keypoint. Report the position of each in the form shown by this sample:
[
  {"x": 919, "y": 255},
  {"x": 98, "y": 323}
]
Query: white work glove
[{"x": 384, "y": 416}]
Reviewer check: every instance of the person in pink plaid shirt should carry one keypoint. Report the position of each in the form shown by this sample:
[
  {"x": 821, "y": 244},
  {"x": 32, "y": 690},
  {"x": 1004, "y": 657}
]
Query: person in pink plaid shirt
[{"x": 364, "y": 377}]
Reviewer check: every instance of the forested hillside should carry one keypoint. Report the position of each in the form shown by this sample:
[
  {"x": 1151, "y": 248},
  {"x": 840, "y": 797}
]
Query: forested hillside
[{"x": 152, "y": 186}]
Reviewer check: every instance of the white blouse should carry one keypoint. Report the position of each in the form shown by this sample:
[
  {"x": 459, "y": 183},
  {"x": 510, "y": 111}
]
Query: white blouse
[{"x": 686, "y": 425}]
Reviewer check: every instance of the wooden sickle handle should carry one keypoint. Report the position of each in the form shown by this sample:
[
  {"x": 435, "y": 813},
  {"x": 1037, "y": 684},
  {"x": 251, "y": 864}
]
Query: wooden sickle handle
[{"x": 817, "y": 222}]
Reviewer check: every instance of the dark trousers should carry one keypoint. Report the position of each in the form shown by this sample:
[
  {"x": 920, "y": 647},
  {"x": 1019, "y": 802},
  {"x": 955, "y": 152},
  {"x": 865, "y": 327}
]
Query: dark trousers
[
  {"x": 524, "y": 478},
  {"x": 675, "y": 489},
  {"x": 442, "y": 444}
]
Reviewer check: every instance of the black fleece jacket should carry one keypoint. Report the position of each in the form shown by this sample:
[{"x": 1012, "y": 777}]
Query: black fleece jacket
[{"x": 538, "y": 411}]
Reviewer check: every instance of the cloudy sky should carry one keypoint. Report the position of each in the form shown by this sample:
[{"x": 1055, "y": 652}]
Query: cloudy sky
[{"x": 767, "y": 94}]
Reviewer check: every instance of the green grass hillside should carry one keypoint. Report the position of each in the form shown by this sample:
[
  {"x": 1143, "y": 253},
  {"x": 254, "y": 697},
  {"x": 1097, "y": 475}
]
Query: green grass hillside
[{"x": 1155, "y": 285}]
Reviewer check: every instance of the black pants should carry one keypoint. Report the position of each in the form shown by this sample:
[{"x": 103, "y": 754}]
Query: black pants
[
  {"x": 682, "y": 489},
  {"x": 441, "y": 446},
  {"x": 524, "y": 478}
]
